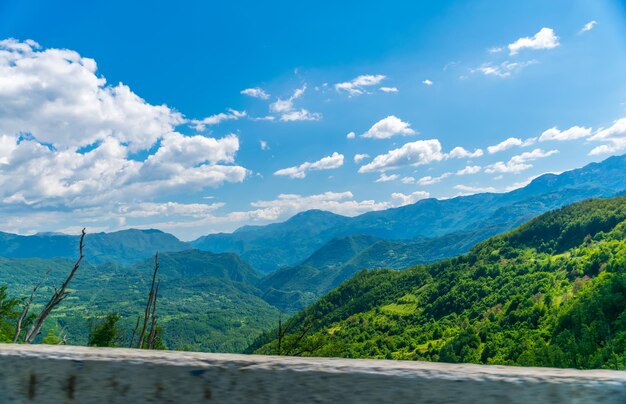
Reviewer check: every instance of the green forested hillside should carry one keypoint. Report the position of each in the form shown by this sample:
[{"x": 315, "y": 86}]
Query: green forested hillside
[
  {"x": 207, "y": 302},
  {"x": 550, "y": 293}
]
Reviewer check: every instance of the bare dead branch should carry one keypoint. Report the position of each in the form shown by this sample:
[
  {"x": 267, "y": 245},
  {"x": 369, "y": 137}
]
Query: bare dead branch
[
  {"x": 57, "y": 297},
  {"x": 27, "y": 303},
  {"x": 146, "y": 317},
  {"x": 153, "y": 330},
  {"x": 132, "y": 337}
]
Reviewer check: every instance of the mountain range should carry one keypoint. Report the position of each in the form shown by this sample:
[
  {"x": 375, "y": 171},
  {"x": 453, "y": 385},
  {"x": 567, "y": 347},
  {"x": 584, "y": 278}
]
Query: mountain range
[
  {"x": 549, "y": 293},
  {"x": 269, "y": 248},
  {"x": 221, "y": 290}
]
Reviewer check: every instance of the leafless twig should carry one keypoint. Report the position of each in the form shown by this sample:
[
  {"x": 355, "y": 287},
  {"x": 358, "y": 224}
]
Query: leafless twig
[
  {"x": 57, "y": 297},
  {"x": 27, "y": 303}
]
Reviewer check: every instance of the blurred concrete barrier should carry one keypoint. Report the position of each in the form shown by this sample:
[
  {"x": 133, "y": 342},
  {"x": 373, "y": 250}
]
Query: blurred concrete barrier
[{"x": 66, "y": 374}]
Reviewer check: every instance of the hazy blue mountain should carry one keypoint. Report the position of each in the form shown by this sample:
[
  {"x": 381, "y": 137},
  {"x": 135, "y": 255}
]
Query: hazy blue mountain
[
  {"x": 270, "y": 247},
  {"x": 312, "y": 279},
  {"x": 480, "y": 216},
  {"x": 126, "y": 246},
  {"x": 207, "y": 301}
]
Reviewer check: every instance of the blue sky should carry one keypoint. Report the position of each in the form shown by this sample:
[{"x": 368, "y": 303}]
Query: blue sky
[{"x": 239, "y": 113}]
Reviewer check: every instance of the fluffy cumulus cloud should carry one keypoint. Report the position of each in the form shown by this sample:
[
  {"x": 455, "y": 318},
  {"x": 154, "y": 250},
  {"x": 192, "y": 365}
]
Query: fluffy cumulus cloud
[
  {"x": 232, "y": 114},
  {"x": 614, "y": 138},
  {"x": 288, "y": 112},
  {"x": 427, "y": 82},
  {"x": 386, "y": 178},
  {"x": 389, "y": 127},
  {"x": 359, "y": 85},
  {"x": 56, "y": 96},
  {"x": 410, "y": 154},
  {"x": 430, "y": 180},
  {"x": 544, "y": 39},
  {"x": 256, "y": 92},
  {"x": 520, "y": 162},
  {"x": 71, "y": 141},
  {"x": 389, "y": 89},
  {"x": 509, "y": 143},
  {"x": 469, "y": 170},
  {"x": 410, "y": 198},
  {"x": 358, "y": 158},
  {"x": 460, "y": 153},
  {"x": 326, "y": 163},
  {"x": 575, "y": 132}
]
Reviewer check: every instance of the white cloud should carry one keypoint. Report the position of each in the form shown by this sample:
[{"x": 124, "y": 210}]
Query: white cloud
[
  {"x": 615, "y": 146},
  {"x": 575, "y": 132},
  {"x": 468, "y": 190},
  {"x": 262, "y": 118},
  {"x": 408, "y": 180},
  {"x": 504, "y": 69},
  {"x": 37, "y": 176},
  {"x": 264, "y": 145},
  {"x": 427, "y": 82},
  {"x": 496, "y": 49},
  {"x": 544, "y": 39},
  {"x": 301, "y": 115},
  {"x": 358, "y": 158},
  {"x": 410, "y": 154},
  {"x": 389, "y": 89},
  {"x": 509, "y": 143},
  {"x": 459, "y": 153},
  {"x": 256, "y": 92},
  {"x": 342, "y": 203},
  {"x": 357, "y": 86},
  {"x": 588, "y": 27},
  {"x": 411, "y": 198},
  {"x": 56, "y": 95},
  {"x": 429, "y": 180},
  {"x": 386, "y": 178},
  {"x": 388, "y": 127},
  {"x": 326, "y": 163},
  {"x": 168, "y": 209},
  {"x": 280, "y": 105},
  {"x": 618, "y": 129},
  {"x": 614, "y": 136},
  {"x": 287, "y": 111},
  {"x": 108, "y": 145},
  {"x": 217, "y": 119},
  {"x": 519, "y": 163},
  {"x": 351, "y": 135},
  {"x": 469, "y": 170}
]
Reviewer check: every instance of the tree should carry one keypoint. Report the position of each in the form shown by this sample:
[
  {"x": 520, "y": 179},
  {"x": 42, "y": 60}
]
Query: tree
[
  {"x": 59, "y": 295},
  {"x": 106, "y": 332},
  {"x": 150, "y": 312},
  {"x": 8, "y": 313}
]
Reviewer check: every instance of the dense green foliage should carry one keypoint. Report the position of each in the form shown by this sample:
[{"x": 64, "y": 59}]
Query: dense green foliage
[
  {"x": 474, "y": 218},
  {"x": 8, "y": 315},
  {"x": 207, "y": 302},
  {"x": 105, "y": 332},
  {"x": 550, "y": 293}
]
